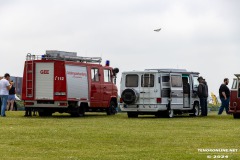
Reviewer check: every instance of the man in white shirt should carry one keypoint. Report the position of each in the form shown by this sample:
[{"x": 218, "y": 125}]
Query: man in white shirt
[{"x": 4, "y": 92}]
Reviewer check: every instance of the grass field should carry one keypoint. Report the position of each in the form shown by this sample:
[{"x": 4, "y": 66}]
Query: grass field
[{"x": 97, "y": 136}]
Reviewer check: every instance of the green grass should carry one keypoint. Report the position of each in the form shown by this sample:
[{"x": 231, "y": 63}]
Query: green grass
[{"x": 97, "y": 136}]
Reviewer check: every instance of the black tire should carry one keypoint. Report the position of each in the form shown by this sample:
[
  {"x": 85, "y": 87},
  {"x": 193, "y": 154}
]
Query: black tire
[
  {"x": 78, "y": 111},
  {"x": 160, "y": 114},
  {"x": 45, "y": 113},
  {"x": 236, "y": 115},
  {"x": 132, "y": 115},
  {"x": 129, "y": 96},
  {"x": 82, "y": 110},
  {"x": 195, "y": 111},
  {"x": 112, "y": 109}
]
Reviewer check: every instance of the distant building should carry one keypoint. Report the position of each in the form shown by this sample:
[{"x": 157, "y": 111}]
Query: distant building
[{"x": 18, "y": 84}]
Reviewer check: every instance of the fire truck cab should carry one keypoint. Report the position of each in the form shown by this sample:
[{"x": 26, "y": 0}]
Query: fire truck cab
[
  {"x": 64, "y": 82},
  {"x": 234, "y": 106},
  {"x": 159, "y": 92}
]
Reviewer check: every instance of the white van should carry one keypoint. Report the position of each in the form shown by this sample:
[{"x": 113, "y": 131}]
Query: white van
[{"x": 159, "y": 92}]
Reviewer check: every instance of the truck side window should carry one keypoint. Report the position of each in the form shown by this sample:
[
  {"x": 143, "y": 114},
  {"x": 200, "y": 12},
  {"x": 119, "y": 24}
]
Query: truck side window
[
  {"x": 147, "y": 80},
  {"x": 107, "y": 75},
  {"x": 176, "y": 81},
  {"x": 95, "y": 74},
  {"x": 234, "y": 85},
  {"x": 239, "y": 90},
  {"x": 131, "y": 80}
]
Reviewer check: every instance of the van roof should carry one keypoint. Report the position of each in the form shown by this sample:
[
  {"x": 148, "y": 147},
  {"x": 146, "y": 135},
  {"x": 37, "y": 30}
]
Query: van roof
[{"x": 184, "y": 71}]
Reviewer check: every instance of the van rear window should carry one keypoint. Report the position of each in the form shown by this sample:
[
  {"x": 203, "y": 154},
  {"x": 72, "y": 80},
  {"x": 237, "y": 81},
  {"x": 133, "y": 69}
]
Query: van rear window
[
  {"x": 148, "y": 80},
  {"x": 131, "y": 80},
  {"x": 176, "y": 81}
]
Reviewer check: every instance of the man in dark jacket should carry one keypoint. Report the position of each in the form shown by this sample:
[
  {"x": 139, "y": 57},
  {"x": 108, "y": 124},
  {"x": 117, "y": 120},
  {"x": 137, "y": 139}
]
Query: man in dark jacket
[
  {"x": 206, "y": 99},
  {"x": 202, "y": 94}
]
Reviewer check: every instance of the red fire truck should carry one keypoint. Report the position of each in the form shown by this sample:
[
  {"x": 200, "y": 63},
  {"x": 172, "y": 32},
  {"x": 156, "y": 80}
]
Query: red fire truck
[
  {"x": 64, "y": 82},
  {"x": 234, "y": 107}
]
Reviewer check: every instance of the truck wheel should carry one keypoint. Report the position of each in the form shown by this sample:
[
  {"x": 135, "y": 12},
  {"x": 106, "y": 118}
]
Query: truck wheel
[
  {"x": 132, "y": 115},
  {"x": 41, "y": 113},
  {"x": 78, "y": 112},
  {"x": 44, "y": 113},
  {"x": 111, "y": 110},
  {"x": 235, "y": 115},
  {"x": 195, "y": 111}
]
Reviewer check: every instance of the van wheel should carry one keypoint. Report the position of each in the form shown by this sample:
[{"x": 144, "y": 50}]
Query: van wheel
[
  {"x": 195, "y": 111},
  {"x": 111, "y": 110},
  {"x": 132, "y": 115},
  {"x": 160, "y": 114},
  {"x": 235, "y": 115}
]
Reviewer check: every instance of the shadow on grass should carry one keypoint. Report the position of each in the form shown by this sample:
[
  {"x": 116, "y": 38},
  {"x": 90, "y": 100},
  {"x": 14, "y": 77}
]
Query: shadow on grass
[{"x": 68, "y": 116}]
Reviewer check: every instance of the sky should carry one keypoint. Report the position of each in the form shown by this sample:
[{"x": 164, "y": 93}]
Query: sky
[{"x": 200, "y": 35}]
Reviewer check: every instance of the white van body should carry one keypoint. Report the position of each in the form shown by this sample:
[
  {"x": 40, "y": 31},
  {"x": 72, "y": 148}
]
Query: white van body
[{"x": 161, "y": 92}]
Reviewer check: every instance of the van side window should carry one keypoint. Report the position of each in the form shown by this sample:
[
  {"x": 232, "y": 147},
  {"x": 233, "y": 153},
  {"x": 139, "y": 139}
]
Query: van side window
[
  {"x": 165, "y": 81},
  {"x": 147, "y": 80},
  {"x": 176, "y": 81},
  {"x": 107, "y": 75},
  {"x": 95, "y": 74},
  {"x": 131, "y": 80}
]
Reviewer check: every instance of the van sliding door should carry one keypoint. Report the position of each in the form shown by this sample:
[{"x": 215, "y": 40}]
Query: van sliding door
[{"x": 176, "y": 93}]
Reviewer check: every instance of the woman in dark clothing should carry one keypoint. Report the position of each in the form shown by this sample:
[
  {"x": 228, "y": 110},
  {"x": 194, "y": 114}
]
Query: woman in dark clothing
[{"x": 11, "y": 97}]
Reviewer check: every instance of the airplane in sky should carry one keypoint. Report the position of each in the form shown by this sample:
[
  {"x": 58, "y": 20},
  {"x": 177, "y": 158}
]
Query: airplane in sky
[{"x": 157, "y": 30}]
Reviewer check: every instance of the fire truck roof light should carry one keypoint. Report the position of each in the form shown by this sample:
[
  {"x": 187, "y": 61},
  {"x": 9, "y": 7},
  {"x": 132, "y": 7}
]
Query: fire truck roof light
[{"x": 107, "y": 63}]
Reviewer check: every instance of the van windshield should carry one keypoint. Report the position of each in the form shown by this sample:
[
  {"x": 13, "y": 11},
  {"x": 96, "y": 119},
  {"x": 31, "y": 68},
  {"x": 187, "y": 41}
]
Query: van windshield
[{"x": 131, "y": 80}]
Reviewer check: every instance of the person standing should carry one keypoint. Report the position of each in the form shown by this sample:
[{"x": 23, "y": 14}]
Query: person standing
[
  {"x": 0, "y": 97},
  {"x": 224, "y": 94},
  {"x": 202, "y": 94},
  {"x": 11, "y": 97},
  {"x": 5, "y": 86},
  {"x": 206, "y": 96}
]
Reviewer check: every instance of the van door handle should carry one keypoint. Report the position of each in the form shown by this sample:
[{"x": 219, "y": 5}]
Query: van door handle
[{"x": 142, "y": 92}]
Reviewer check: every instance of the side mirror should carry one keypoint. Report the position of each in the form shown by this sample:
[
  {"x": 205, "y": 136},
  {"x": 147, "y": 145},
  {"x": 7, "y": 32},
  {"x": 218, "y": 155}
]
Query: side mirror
[{"x": 115, "y": 71}]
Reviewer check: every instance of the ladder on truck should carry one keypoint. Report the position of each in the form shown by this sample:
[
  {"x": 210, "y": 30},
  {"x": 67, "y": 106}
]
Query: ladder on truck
[
  {"x": 29, "y": 75},
  {"x": 70, "y": 56},
  {"x": 64, "y": 56}
]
